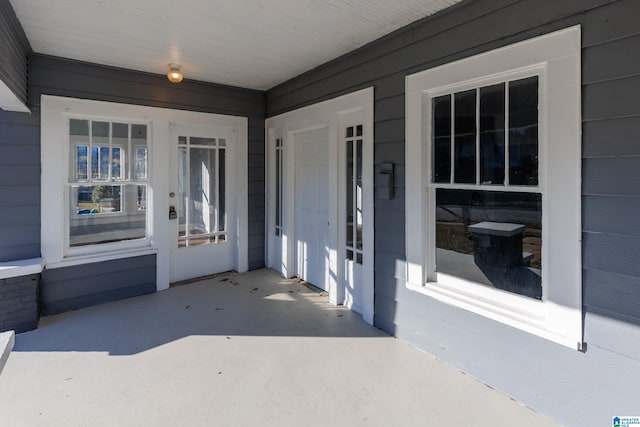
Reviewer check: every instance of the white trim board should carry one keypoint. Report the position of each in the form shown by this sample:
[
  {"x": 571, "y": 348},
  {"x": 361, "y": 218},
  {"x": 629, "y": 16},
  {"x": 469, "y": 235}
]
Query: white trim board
[
  {"x": 54, "y": 159},
  {"x": 23, "y": 267},
  {"x": 329, "y": 114}
]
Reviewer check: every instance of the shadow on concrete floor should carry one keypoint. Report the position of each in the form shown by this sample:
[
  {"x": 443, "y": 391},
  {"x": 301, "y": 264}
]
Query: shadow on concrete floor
[{"x": 258, "y": 303}]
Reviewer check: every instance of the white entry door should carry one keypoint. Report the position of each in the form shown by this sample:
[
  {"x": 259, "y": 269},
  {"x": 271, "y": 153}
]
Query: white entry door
[
  {"x": 202, "y": 210},
  {"x": 312, "y": 206}
]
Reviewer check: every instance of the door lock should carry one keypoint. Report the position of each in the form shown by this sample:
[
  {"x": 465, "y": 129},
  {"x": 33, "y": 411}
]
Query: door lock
[{"x": 172, "y": 212}]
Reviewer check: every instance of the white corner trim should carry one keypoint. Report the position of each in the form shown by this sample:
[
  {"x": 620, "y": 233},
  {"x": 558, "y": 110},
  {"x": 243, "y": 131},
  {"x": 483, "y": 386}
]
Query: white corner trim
[{"x": 22, "y": 267}]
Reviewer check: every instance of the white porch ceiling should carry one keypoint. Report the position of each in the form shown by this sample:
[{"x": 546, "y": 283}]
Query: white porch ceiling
[{"x": 254, "y": 44}]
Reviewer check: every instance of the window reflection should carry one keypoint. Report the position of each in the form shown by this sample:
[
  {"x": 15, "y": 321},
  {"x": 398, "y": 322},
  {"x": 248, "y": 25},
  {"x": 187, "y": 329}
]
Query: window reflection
[
  {"x": 465, "y": 137},
  {"x": 99, "y": 211},
  {"x": 523, "y": 132},
  {"x": 491, "y": 237},
  {"x": 492, "y": 136},
  {"x": 442, "y": 139}
]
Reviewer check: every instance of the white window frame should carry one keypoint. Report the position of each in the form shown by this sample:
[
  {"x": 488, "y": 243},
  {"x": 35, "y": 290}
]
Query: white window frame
[
  {"x": 98, "y": 248},
  {"x": 555, "y": 59}
]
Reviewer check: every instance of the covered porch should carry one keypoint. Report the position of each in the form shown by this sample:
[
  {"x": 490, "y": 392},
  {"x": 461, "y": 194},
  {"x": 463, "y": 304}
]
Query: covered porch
[{"x": 236, "y": 349}]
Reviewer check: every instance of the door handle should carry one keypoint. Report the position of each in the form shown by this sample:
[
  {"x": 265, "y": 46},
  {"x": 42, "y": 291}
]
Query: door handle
[{"x": 172, "y": 212}]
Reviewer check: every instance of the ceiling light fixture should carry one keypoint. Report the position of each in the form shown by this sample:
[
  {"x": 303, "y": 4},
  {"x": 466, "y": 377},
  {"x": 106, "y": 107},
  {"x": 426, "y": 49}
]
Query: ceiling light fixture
[{"x": 175, "y": 75}]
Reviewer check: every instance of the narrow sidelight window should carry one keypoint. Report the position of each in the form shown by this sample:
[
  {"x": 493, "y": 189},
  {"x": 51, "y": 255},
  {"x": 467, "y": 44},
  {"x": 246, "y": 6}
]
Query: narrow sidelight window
[
  {"x": 279, "y": 151},
  {"x": 354, "y": 192}
]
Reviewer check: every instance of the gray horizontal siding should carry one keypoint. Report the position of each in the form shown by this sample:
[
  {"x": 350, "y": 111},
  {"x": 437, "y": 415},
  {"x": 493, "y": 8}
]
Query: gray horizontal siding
[
  {"x": 571, "y": 386},
  {"x": 19, "y": 186},
  {"x": 71, "y": 288},
  {"x": 14, "y": 50},
  {"x": 611, "y": 293},
  {"x": 62, "y": 77},
  {"x": 611, "y": 137},
  {"x": 437, "y": 40}
]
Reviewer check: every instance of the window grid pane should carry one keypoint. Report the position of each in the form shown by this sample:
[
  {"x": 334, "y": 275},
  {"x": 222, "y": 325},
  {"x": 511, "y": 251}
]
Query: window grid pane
[
  {"x": 354, "y": 193},
  {"x": 222, "y": 213},
  {"x": 465, "y": 137},
  {"x": 487, "y": 135},
  {"x": 279, "y": 185},
  {"x": 100, "y": 212},
  {"x": 358, "y": 194},
  {"x": 350, "y": 192},
  {"x": 492, "y": 134},
  {"x": 202, "y": 218},
  {"x": 493, "y": 238},
  {"x": 82, "y": 165},
  {"x": 441, "y": 138},
  {"x": 523, "y": 131}
]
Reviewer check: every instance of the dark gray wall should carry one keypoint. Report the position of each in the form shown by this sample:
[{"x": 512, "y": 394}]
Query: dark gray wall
[
  {"x": 62, "y": 77},
  {"x": 14, "y": 49},
  {"x": 71, "y": 288},
  {"x": 19, "y": 186},
  {"x": 19, "y": 149},
  {"x": 575, "y": 388}
]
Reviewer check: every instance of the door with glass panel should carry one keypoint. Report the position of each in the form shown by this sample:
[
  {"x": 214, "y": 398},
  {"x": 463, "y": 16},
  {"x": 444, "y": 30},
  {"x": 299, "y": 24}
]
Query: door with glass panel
[{"x": 201, "y": 211}]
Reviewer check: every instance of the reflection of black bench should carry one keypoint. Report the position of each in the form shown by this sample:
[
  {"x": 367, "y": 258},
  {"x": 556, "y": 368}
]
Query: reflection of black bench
[{"x": 497, "y": 245}]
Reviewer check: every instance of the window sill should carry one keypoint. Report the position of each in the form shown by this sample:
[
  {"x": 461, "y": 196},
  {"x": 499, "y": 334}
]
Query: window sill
[
  {"x": 69, "y": 261},
  {"x": 515, "y": 311},
  {"x": 23, "y": 267}
]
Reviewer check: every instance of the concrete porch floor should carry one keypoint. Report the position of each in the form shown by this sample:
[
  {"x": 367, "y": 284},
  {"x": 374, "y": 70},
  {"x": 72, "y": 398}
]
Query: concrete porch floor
[{"x": 236, "y": 350}]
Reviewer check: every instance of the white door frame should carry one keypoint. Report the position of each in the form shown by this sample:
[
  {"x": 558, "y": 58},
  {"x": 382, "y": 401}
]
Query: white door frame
[{"x": 326, "y": 114}]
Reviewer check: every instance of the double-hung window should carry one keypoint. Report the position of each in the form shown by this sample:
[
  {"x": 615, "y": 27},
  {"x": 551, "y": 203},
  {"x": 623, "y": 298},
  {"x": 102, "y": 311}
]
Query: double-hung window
[
  {"x": 493, "y": 185},
  {"x": 107, "y": 182}
]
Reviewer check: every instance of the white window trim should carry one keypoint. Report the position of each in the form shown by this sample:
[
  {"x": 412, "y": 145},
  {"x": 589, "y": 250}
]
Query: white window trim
[
  {"x": 555, "y": 57},
  {"x": 56, "y": 110}
]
